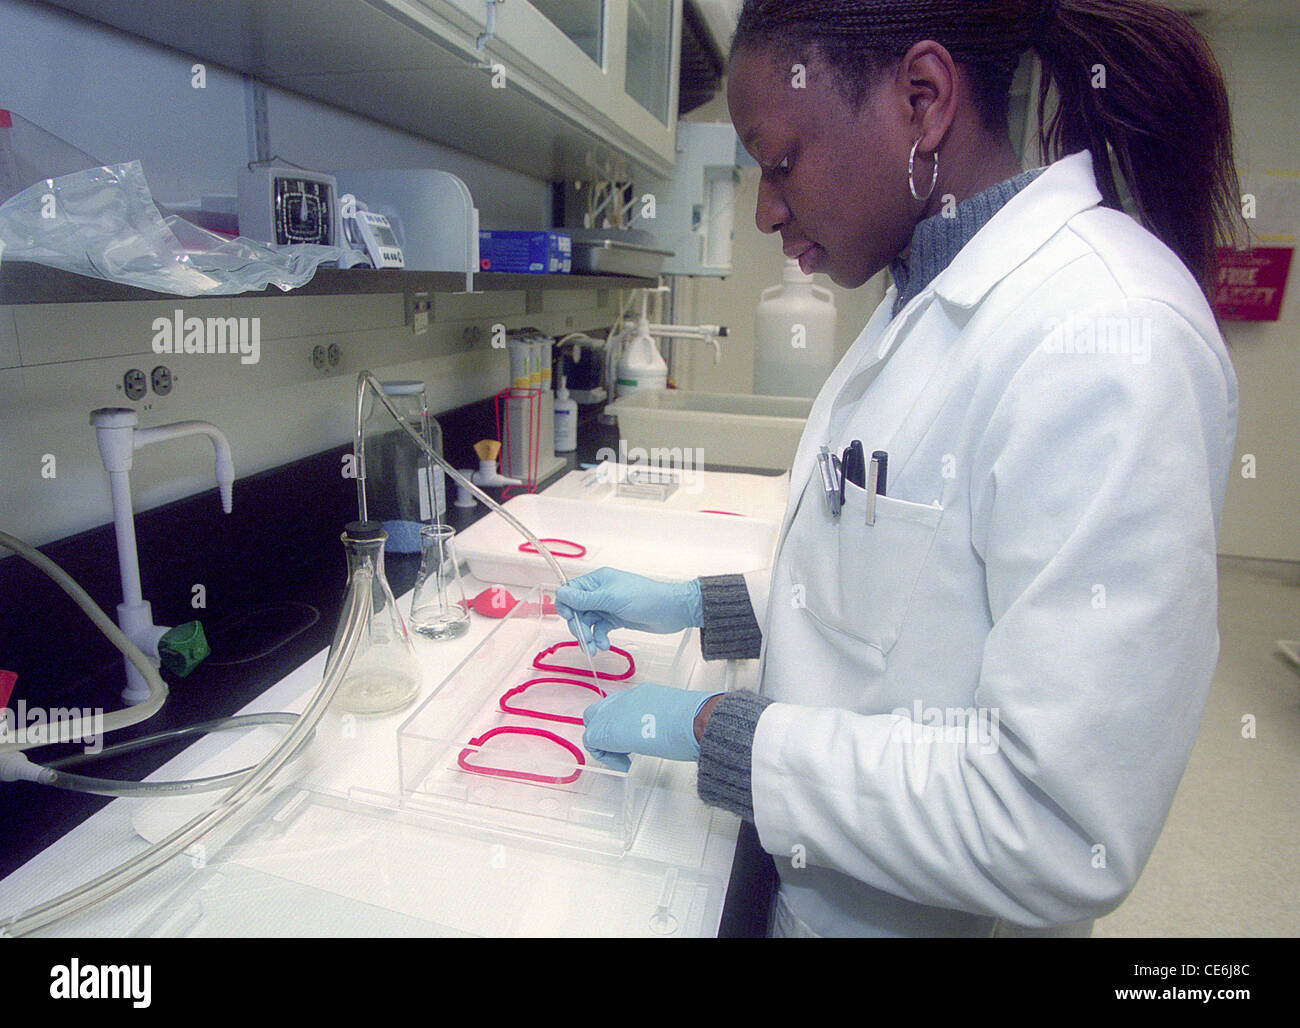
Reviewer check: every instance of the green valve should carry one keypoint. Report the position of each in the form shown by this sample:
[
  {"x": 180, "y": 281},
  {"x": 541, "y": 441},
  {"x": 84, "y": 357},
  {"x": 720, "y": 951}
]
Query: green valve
[{"x": 183, "y": 647}]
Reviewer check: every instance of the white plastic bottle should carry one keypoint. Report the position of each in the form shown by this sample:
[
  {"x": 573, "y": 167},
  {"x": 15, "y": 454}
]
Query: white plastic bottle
[
  {"x": 641, "y": 365},
  {"x": 566, "y": 420},
  {"x": 794, "y": 336}
]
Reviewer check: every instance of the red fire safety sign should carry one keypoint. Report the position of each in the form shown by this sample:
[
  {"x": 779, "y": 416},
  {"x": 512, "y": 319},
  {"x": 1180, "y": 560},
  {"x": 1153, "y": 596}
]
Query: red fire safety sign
[{"x": 1249, "y": 284}]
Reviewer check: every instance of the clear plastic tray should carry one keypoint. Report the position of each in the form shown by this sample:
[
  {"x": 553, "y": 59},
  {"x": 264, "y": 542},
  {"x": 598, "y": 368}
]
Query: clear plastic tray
[
  {"x": 647, "y": 483},
  {"x": 319, "y": 866},
  {"x": 452, "y": 765}
]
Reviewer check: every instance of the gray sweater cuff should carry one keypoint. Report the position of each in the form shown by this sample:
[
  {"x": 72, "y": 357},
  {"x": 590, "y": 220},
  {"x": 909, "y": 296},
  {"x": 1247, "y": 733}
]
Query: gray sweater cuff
[
  {"x": 726, "y": 753},
  {"x": 728, "y": 630}
]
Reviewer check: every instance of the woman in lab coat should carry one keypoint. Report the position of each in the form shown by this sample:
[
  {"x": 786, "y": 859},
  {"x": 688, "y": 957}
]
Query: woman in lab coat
[{"x": 980, "y": 685}]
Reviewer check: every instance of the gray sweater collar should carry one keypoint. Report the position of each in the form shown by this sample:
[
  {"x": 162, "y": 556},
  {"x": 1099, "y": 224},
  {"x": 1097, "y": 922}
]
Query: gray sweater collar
[{"x": 938, "y": 239}]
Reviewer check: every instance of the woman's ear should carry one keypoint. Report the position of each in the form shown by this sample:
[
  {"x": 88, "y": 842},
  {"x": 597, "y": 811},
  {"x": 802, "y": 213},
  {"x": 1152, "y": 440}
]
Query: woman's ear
[{"x": 928, "y": 78}]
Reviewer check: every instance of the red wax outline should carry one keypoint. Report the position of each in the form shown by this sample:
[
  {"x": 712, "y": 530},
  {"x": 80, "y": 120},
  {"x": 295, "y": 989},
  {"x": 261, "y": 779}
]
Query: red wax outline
[
  {"x": 525, "y": 776},
  {"x": 631, "y": 664},
  {"x": 530, "y": 548},
  {"x": 729, "y": 513},
  {"x": 526, "y": 712}
]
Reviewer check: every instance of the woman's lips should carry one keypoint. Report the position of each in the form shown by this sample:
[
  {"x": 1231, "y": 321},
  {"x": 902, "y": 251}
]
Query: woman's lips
[{"x": 810, "y": 258}]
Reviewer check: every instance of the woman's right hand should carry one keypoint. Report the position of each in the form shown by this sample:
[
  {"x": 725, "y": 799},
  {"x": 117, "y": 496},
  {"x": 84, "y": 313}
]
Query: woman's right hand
[{"x": 608, "y": 598}]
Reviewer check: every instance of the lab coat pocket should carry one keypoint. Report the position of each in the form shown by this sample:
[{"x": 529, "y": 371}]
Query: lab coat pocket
[{"x": 865, "y": 590}]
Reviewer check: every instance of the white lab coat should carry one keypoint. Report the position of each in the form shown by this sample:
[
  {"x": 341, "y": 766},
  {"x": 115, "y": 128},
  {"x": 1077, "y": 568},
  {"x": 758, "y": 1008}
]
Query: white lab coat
[{"x": 1043, "y": 570}]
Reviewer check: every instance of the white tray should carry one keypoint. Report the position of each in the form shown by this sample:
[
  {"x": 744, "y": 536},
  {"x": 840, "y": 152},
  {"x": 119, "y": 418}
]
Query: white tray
[
  {"x": 762, "y": 497},
  {"x": 668, "y": 545}
]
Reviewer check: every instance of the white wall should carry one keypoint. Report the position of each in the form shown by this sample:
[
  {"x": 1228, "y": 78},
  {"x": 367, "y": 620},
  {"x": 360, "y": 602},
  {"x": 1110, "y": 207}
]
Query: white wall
[
  {"x": 119, "y": 99},
  {"x": 1262, "y": 514},
  {"x": 273, "y": 412}
]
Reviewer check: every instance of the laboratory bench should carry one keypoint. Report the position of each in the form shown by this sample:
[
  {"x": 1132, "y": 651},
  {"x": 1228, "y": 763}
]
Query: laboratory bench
[{"x": 273, "y": 576}]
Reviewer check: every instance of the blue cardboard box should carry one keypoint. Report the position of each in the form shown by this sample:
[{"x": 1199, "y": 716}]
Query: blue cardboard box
[{"x": 533, "y": 253}]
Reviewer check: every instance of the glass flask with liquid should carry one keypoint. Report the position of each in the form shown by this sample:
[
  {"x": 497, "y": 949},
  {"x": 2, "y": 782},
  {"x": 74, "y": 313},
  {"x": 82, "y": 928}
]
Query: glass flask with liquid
[
  {"x": 438, "y": 608},
  {"x": 383, "y": 675}
]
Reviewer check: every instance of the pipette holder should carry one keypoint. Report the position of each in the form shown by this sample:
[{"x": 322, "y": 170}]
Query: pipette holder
[{"x": 519, "y": 427}]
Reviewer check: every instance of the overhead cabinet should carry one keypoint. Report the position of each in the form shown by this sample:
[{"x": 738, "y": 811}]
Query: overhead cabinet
[{"x": 559, "y": 89}]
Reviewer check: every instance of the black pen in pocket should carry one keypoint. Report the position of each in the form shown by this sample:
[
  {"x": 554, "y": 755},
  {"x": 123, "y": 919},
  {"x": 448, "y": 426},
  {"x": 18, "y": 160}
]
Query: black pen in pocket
[{"x": 855, "y": 467}]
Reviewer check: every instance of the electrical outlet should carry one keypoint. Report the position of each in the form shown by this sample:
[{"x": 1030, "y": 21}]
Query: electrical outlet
[
  {"x": 318, "y": 357},
  {"x": 419, "y": 309},
  {"x": 161, "y": 380},
  {"x": 334, "y": 354},
  {"x": 135, "y": 384}
]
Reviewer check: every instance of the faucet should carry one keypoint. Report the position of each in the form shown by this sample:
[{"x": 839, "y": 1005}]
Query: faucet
[
  {"x": 119, "y": 438},
  {"x": 486, "y": 475},
  {"x": 693, "y": 333}
]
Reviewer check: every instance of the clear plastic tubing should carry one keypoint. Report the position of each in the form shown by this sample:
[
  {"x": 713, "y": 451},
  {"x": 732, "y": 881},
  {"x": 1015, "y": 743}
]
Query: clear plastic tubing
[
  {"x": 72, "y": 729},
  {"x": 356, "y": 613},
  {"x": 365, "y": 380},
  {"x": 53, "y": 775}
]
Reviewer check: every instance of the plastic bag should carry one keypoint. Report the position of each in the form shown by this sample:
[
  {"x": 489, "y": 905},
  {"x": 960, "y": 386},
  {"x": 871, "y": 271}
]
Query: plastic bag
[
  {"x": 28, "y": 154},
  {"x": 103, "y": 222}
]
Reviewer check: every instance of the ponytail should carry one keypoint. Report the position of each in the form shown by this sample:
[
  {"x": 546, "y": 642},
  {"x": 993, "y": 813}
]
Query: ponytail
[
  {"x": 1138, "y": 84},
  {"x": 1135, "y": 84}
]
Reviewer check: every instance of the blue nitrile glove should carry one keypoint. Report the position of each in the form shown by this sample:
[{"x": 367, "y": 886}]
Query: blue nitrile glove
[
  {"x": 607, "y": 599},
  {"x": 656, "y": 720}
]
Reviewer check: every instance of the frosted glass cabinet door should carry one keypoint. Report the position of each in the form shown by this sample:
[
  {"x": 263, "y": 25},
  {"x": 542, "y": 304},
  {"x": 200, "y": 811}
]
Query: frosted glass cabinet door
[
  {"x": 607, "y": 67},
  {"x": 583, "y": 21},
  {"x": 650, "y": 55}
]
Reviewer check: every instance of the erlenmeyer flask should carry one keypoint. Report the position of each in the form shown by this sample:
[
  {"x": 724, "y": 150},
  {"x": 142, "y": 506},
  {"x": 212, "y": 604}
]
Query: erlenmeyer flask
[
  {"x": 384, "y": 675},
  {"x": 438, "y": 608}
]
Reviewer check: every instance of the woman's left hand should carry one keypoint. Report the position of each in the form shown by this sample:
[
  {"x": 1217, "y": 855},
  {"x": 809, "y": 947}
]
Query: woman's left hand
[{"x": 656, "y": 720}]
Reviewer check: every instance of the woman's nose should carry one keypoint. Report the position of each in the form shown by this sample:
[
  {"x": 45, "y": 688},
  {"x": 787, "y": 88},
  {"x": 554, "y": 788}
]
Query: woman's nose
[{"x": 770, "y": 213}]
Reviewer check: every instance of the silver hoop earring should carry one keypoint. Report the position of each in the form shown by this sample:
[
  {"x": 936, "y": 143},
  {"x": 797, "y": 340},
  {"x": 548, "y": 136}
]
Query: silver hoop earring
[{"x": 911, "y": 181}]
